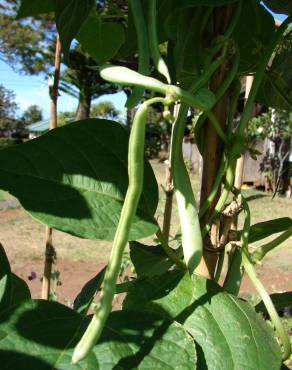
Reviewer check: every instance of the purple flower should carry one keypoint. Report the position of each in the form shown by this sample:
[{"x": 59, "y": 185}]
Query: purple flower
[{"x": 32, "y": 276}]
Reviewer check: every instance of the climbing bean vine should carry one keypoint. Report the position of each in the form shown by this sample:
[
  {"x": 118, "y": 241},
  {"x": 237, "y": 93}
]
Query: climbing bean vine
[{"x": 190, "y": 59}]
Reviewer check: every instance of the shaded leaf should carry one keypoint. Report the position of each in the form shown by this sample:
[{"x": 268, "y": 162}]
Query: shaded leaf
[
  {"x": 85, "y": 297},
  {"x": 129, "y": 340},
  {"x": 149, "y": 260},
  {"x": 12, "y": 288},
  {"x": 19, "y": 290},
  {"x": 276, "y": 88},
  {"x": 191, "y": 3},
  {"x": 264, "y": 229},
  {"x": 30, "y": 8},
  {"x": 70, "y": 15},
  {"x": 74, "y": 179},
  {"x": 231, "y": 335},
  {"x": 100, "y": 40},
  {"x": 253, "y": 33}
]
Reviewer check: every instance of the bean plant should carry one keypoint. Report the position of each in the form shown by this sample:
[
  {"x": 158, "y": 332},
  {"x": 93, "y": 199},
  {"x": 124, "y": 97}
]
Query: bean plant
[{"x": 181, "y": 309}]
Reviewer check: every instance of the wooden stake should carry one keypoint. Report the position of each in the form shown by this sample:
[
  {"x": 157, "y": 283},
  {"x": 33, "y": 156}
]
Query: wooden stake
[
  {"x": 50, "y": 253},
  {"x": 240, "y": 162}
]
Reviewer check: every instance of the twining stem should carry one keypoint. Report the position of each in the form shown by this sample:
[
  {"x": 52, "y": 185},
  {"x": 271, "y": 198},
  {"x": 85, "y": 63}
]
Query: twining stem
[
  {"x": 136, "y": 174},
  {"x": 261, "y": 251},
  {"x": 189, "y": 220},
  {"x": 223, "y": 197},
  {"x": 143, "y": 50},
  {"x": 283, "y": 336},
  {"x": 50, "y": 251},
  {"x": 168, "y": 191},
  {"x": 214, "y": 189}
]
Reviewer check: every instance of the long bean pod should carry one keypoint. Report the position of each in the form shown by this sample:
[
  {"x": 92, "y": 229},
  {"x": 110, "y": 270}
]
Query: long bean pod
[
  {"x": 189, "y": 219},
  {"x": 203, "y": 100},
  {"x": 153, "y": 41},
  {"x": 143, "y": 50},
  {"x": 136, "y": 173}
]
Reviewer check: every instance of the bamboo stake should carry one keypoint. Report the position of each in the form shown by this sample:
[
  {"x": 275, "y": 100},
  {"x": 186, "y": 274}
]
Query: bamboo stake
[
  {"x": 50, "y": 253},
  {"x": 240, "y": 162}
]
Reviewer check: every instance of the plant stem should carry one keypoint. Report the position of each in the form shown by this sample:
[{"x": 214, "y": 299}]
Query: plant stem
[
  {"x": 170, "y": 253},
  {"x": 248, "y": 267},
  {"x": 168, "y": 191},
  {"x": 143, "y": 50},
  {"x": 153, "y": 41},
  {"x": 261, "y": 251}
]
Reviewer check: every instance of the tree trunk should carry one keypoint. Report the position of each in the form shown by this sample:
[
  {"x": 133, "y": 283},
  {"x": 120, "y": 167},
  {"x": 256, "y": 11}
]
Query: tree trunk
[{"x": 84, "y": 105}]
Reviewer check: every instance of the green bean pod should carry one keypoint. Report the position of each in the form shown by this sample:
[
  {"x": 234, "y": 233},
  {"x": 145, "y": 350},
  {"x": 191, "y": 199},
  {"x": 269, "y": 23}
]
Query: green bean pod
[
  {"x": 136, "y": 173},
  {"x": 203, "y": 100},
  {"x": 143, "y": 51},
  {"x": 192, "y": 242},
  {"x": 153, "y": 41}
]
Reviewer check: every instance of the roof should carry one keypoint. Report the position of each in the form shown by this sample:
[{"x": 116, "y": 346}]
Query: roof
[{"x": 40, "y": 126}]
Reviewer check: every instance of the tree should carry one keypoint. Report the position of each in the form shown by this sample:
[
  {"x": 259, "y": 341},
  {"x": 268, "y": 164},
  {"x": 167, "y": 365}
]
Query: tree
[
  {"x": 82, "y": 81},
  {"x": 28, "y": 47},
  {"x": 276, "y": 126},
  {"x": 32, "y": 114},
  {"x": 8, "y": 108},
  {"x": 104, "y": 109}
]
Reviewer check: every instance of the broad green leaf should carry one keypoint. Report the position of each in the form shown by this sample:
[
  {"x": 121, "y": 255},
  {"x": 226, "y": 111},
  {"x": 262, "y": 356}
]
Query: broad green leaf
[
  {"x": 276, "y": 87},
  {"x": 191, "y": 3},
  {"x": 34, "y": 7},
  {"x": 280, "y": 300},
  {"x": 74, "y": 179},
  {"x": 230, "y": 333},
  {"x": 253, "y": 33},
  {"x": 40, "y": 335},
  {"x": 85, "y": 297},
  {"x": 70, "y": 15},
  {"x": 12, "y": 288},
  {"x": 19, "y": 290},
  {"x": 100, "y": 40},
  {"x": 149, "y": 260},
  {"x": 280, "y": 6},
  {"x": 43, "y": 334},
  {"x": 264, "y": 229},
  {"x": 5, "y": 280}
]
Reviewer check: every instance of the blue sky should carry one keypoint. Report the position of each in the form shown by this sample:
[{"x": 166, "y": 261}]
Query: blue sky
[{"x": 33, "y": 90}]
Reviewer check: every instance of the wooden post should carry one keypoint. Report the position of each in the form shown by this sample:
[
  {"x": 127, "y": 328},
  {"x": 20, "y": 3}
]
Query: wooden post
[{"x": 50, "y": 251}]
